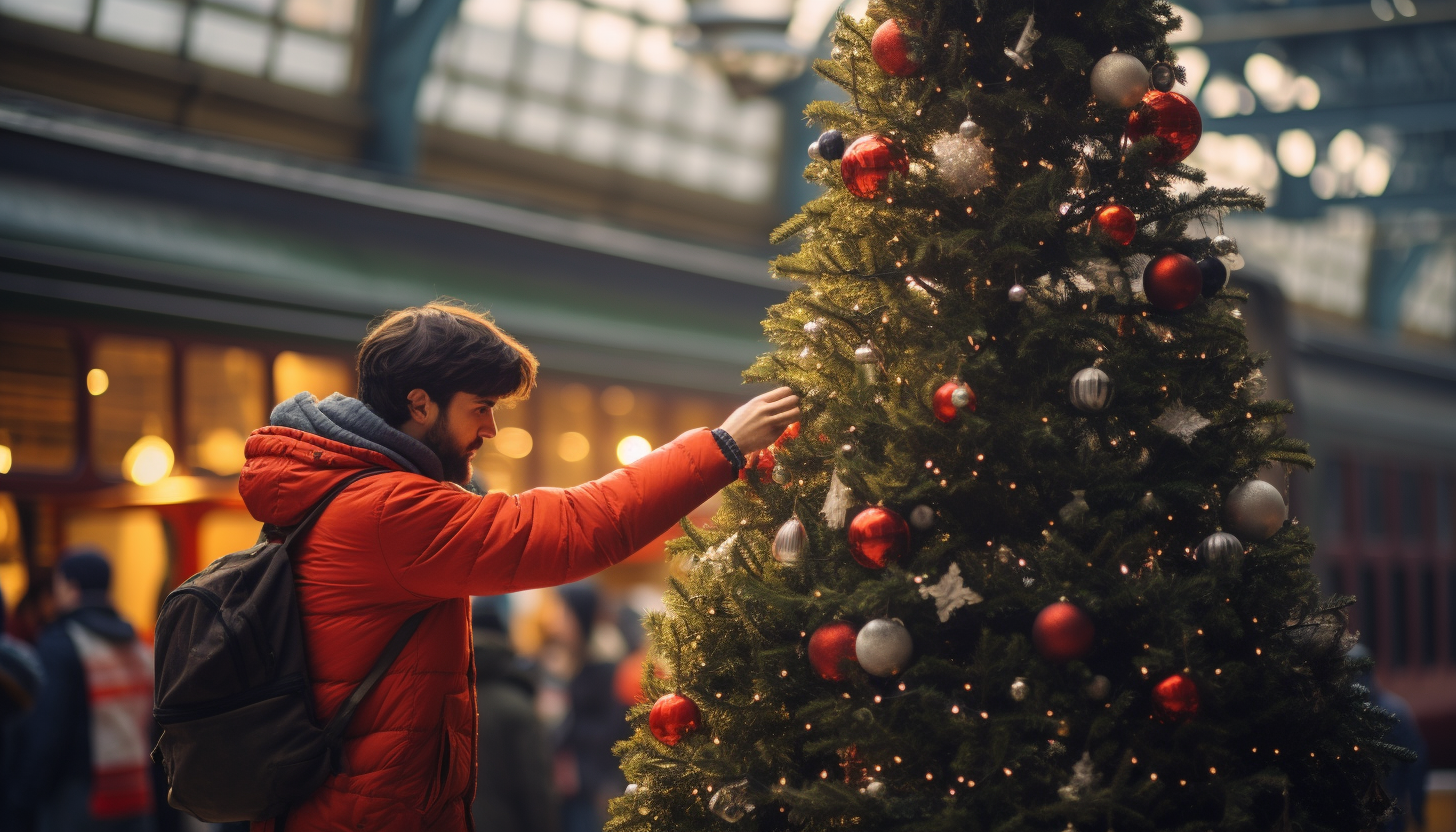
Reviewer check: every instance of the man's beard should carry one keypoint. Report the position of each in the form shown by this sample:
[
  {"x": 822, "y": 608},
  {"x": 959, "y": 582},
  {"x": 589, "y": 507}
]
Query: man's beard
[{"x": 454, "y": 461}]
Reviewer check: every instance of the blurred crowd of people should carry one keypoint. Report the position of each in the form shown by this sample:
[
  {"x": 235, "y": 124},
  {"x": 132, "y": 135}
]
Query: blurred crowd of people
[{"x": 556, "y": 671}]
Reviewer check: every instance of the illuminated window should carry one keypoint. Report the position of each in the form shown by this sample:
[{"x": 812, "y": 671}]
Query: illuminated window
[
  {"x": 295, "y": 372},
  {"x": 602, "y": 83},
  {"x": 135, "y": 541},
  {"x": 223, "y": 531},
  {"x": 225, "y": 402},
  {"x": 301, "y": 43},
  {"x": 38, "y": 370},
  {"x": 137, "y": 405}
]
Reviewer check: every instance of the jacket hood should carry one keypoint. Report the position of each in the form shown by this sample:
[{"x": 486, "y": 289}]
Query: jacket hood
[
  {"x": 104, "y": 622},
  {"x": 351, "y": 422}
]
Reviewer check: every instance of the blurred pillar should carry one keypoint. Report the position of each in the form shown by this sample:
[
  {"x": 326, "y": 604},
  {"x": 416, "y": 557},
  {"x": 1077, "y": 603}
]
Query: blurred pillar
[
  {"x": 402, "y": 41},
  {"x": 1392, "y": 271}
]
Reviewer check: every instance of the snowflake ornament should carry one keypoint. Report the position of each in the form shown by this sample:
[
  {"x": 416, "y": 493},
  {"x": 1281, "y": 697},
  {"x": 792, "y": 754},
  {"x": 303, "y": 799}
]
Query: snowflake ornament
[
  {"x": 1181, "y": 421},
  {"x": 950, "y": 593}
]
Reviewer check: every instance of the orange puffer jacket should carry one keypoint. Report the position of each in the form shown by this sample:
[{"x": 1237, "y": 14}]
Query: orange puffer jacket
[{"x": 397, "y": 543}]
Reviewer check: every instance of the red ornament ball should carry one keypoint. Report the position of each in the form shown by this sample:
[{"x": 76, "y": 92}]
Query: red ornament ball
[
  {"x": 878, "y": 537},
  {"x": 831, "y": 650},
  {"x": 951, "y": 398},
  {"x": 1118, "y": 222},
  {"x": 1175, "y": 699},
  {"x": 1062, "y": 632},
  {"x": 867, "y": 164},
  {"x": 790, "y": 433},
  {"x": 1173, "y": 119},
  {"x": 673, "y": 717},
  {"x": 895, "y": 52},
  {"x": 1172, "y": 282}
]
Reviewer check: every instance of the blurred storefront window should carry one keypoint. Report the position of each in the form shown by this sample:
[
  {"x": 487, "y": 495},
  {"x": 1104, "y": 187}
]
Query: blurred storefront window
[
  {"x": 135, "y": 541},
  {"x": 223, "y": 531},
  {"x": 321, "y": 375},
  {"x": 301, "y": 43},
  {"x": 132, "y": 430},
  {"x": 38, "y": 383},
  {"x": 602, "y": 83},
  {"x": 225, "y": 388}
]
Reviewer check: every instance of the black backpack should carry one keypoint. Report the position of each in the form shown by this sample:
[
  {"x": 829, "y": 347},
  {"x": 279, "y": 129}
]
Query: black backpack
[{"x": 239, "y": 741}]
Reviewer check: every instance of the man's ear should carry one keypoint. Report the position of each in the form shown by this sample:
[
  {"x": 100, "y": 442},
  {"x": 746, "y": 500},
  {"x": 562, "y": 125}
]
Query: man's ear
[{"x": 421, "y": 406}]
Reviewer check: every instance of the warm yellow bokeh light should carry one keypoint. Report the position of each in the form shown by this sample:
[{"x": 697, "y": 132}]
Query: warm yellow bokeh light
[
  {"x": 573, "y": 447},
  {"x": 97, "y": 381},
  {"x": 632, "y": 448},
  {"x": 148, "y": 460},
  {"x": 618, "y": 400},
  {"x": 221, "y": 451},
  {"x": 513, "y": 442},
  {"x": 5, "y": 459}
]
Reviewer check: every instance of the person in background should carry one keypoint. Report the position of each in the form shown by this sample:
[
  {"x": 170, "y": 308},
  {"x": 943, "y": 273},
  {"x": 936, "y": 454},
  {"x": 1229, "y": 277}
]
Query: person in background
[
  {"x": 20, "y": 680},
  {"x": 86, "y": 747},
  {"x": 513, "y": 785},
  {"x": 1406, "y": 782},
  {"x": 596, "y": 720}
]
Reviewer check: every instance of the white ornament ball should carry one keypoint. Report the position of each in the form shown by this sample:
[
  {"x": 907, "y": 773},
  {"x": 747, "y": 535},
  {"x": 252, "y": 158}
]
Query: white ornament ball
[
  {"x": 1219, "y": 546},
  {"x": 922, "y": 517},
  {"x": 632, "y": 789},
  {"x": 791, "y": 541},
  {"x": 1255, "y": 510},
  {"x": 1090, "y": 390},
  {"x": 1019, "y": 690},
  {"x": 1016, "y": 294},
  {"x": 875, "y": 788},
  {"x": 883, "y": 647},
  {"x": 964, "y": 164},
  {"x": 1119, "y": 80},
  {"x": 970, "y": 130},
  {"x": 1099, "y": 688}
]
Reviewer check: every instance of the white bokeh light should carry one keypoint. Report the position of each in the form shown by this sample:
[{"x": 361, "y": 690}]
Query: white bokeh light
[{"x": 1296, "y": 152}]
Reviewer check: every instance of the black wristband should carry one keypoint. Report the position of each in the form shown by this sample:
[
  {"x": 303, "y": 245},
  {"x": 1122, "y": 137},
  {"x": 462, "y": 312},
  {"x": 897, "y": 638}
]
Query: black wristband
[{"x": 729, "y": 449}]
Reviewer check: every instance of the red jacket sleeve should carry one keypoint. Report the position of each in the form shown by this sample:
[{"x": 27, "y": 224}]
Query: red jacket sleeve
[{"x": 440, "y": 542}]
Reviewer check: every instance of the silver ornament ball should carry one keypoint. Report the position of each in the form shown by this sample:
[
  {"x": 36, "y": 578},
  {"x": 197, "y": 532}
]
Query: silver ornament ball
[
  {"x": 791, "y": 541},
  {"x": 1219, "y": 546},
  {"x": 780, "y": 473},
  {"x": 1016, "y": 294},
  {"x": 922, "y": 517},
  {"x": 1090, "y": 390},
  {"x": 1224, "y": 245},
  {"x": 960, "y": 397},
  {"x": 1019, "y": 690},
  {"x": 1099, "y": 688},
  {"x": 883, "y": 647},
  {"x": 730, "y": 801},
  {"x": 1255, "y": 510},
  {"x": 874, "y": 788},
  {"x": 814, "y": 152},
  {"x": 1119, "y": 80},
  {"x": 632, "y": 789},
  {"x": 970, "y": 130},
  {"x": 1163, "y": 77}
]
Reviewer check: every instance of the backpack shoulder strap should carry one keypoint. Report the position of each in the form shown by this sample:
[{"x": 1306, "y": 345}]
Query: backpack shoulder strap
[
  {"x": 335, "y": 730},
  {"x": 307, "y": 522}
]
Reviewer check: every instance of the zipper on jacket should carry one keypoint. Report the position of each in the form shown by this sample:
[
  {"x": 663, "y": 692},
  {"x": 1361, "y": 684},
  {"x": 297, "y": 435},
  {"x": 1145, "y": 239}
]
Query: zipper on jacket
[
  {"x": 211, "y": 600},
  {"x": 278, "y": 687}
]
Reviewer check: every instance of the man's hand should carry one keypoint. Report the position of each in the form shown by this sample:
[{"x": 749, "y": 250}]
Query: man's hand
[{"x": 760, "y": 421}]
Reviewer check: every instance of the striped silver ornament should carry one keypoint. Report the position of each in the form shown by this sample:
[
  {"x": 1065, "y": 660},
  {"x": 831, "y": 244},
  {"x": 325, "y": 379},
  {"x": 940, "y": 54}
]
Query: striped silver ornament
[
  {"x": 1219, "y": 546},
  {"x": 791, "y": 541},
  {"x": 1090, "y": 390}
]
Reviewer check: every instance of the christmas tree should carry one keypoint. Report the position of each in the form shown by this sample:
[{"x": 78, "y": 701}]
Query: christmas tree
[{"x": 1015, "y": 570}]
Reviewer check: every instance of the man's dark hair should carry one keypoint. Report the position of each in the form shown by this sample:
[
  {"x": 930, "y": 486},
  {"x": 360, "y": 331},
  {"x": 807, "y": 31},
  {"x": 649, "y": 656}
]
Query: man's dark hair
[{"x": 442, "y": 348}]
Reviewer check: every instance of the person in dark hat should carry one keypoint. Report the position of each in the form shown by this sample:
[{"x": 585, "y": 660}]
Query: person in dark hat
[
  {"x": 85, "y": 752},
  {"x": 20, "y": 678},
  {"x": 513, "y": 787}
]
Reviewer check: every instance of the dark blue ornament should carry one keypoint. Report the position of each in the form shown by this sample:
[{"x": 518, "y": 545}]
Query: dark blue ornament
[
  {"x": 1215, "y": 275},
  {"x": 831, "y": 144}
]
